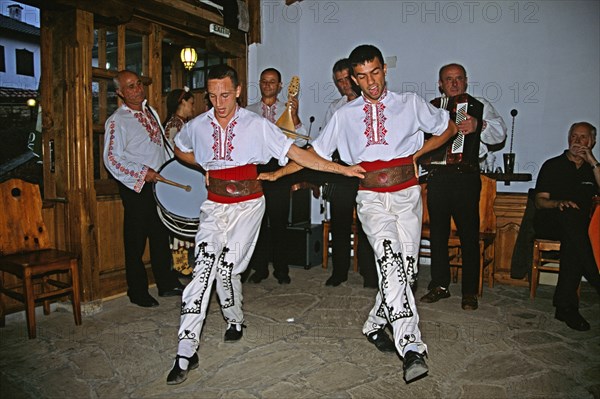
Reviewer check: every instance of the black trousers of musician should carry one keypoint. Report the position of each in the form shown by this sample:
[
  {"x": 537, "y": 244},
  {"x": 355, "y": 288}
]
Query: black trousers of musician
[
  {"x": 141, "y": 222},
  {"x": 570, "y": 227},
  {"x": 454, "y": 194},
  {"x": 342, "y": 203},
  {"x": 272, "y": 239}
]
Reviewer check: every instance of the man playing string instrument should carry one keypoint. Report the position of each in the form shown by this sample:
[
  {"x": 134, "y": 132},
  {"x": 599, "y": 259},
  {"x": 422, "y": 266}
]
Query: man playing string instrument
[{"x": 272, "y": 241}]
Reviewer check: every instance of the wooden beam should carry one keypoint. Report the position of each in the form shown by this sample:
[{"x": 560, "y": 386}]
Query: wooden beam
[
  {"x": 226, "y": 47},
  {"x": 254, "y": 35},
  {"x": 193, "y": 10}
]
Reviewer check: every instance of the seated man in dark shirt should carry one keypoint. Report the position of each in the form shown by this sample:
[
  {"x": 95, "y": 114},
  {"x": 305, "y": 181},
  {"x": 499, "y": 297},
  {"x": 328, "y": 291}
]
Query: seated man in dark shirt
[{"x": 564, "y": 191}]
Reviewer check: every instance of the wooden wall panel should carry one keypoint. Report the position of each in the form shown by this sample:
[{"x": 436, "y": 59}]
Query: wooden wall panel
[
  {"x": 509, "y": 208},
  {"x": 111, "y": 251}
]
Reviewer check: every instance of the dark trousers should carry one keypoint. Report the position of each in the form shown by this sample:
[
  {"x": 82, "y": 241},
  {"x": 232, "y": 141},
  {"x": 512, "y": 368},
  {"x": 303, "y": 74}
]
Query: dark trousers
[
  {"x": 272, "y": 239},
  {"x": 342, "y": 203},
  {"x": 141, "y": 222},
  {"x": 454, "y": 195},
  {"x": 570, "y": 227}
]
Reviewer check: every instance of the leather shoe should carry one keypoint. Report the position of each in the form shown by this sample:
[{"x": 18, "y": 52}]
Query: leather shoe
[
  {"x": 283, "y": 279},
  {"x": 177, "y": 291},
  {"x": 573, "y": 318},
  {"x": 469, "y": 302},
  {"x": 380, "y": 339},
  {"x": 146, "y": 302},
  {"x": 257, "y": 277},
  {"x": 334, "y": 281},
  {"x": 414, "y": 366},
  {"x": 177, "y": 375},
  {"x": 435, "y": 295},
  {"x": 232, "y": 334}
]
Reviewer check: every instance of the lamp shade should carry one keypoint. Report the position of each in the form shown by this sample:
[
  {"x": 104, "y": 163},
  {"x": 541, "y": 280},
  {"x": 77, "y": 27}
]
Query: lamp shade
[{"x": 189, "y": 57}]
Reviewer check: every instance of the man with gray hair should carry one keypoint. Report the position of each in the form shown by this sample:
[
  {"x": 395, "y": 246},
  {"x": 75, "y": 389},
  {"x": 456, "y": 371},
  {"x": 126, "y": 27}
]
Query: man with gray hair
[
  {"x": 564, "y": 190},
  {"x": 134, "y": 149}
]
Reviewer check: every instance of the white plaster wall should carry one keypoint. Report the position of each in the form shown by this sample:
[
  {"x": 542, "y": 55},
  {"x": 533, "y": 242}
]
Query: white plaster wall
[
  {"x": 539, "y": 57},
  {"x": 31, "y": 16},
  {"x": 10, "y": 78}
]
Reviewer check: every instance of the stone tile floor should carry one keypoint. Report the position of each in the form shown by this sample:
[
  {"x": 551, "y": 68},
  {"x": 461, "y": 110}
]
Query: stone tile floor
[{"x": 304, "y": 340}]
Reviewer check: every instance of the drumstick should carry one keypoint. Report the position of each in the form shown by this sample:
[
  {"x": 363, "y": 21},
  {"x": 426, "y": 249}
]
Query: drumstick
[{"x": 172, "y": 183}]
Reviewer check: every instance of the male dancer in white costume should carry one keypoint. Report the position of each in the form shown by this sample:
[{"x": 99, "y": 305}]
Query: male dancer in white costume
[
  {"x": 382, "y": 131},
  {"x": 228, "y": 142}
]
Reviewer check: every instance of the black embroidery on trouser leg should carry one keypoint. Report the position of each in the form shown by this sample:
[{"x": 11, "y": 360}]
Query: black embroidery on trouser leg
[
  {"x": 407, "y": 339},
  {"x": 187, "y": 334},
  {"x": 225, "y": 270},
  {"x": 388, "y": 261},
  {"x": 202, "y": 259},
  {"x": 410, "y": 270}
]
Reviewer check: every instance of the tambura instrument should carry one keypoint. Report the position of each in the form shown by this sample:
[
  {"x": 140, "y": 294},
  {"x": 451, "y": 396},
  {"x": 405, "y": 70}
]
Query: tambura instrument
[
  {"x": 178, "y": 208},
  {"x": 286, "y": 121}
]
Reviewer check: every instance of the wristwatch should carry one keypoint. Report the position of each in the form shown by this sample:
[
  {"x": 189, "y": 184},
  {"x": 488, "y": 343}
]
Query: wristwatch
[{"x": 596, "y": 165}]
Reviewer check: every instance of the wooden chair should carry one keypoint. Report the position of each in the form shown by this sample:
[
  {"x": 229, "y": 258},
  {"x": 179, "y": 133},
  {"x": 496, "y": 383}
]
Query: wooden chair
[
  {"x": 487, "y": 234},
  {"x": 545, "y": 259},
  {"x": 327, "y": 244},
  {"x": 26, "y": 253}
]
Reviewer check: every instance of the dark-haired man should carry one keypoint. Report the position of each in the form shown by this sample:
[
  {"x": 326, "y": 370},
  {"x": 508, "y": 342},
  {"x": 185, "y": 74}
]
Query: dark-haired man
[
  {"x": 228, "y": 142},
  {"x": 341, "y": 193},
  {"x": 383, "y": 132},
  {"x": 273, "y": 232}
]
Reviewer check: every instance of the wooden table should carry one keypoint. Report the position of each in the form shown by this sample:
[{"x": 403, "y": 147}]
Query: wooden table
[{"x": 508, "y": 177}]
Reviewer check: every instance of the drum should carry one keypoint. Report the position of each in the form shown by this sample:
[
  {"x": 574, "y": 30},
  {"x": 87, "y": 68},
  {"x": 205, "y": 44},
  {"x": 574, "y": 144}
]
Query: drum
[{"x": 179, "y": 209}]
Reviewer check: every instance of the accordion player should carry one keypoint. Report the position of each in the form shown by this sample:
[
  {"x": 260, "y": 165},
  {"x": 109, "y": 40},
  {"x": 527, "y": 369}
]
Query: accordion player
[{"x": 463, "y": 150}]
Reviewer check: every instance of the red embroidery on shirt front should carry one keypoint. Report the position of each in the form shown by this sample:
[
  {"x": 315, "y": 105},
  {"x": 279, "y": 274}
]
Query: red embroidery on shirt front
[
  {"x": 223, "y": 146},
  {"x": 375, "y": 135},
  {"x": 111, "y": 157},
  {"x": 269, "y": 112},
  {"x": 151, "y": 126}
]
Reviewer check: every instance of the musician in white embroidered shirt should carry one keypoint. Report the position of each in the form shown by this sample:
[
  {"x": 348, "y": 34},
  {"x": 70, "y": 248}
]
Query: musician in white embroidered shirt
[
  {"x": 272, "y": 240},
  {"x": 271, "y": 107},
  {"x": 134, "y": 150}
]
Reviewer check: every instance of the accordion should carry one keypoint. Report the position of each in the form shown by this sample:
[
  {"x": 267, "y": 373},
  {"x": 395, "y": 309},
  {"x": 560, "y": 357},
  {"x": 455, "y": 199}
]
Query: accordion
[{"x": 463, "y": 149}]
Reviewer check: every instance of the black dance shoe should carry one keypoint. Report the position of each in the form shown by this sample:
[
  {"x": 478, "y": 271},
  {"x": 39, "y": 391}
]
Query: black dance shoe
[
  {"x": 380, "y": 339},
  {"x": 177, "y": 375},
  {"x": 414, "y": 366},
  {"x": 232, "y": 334}
]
